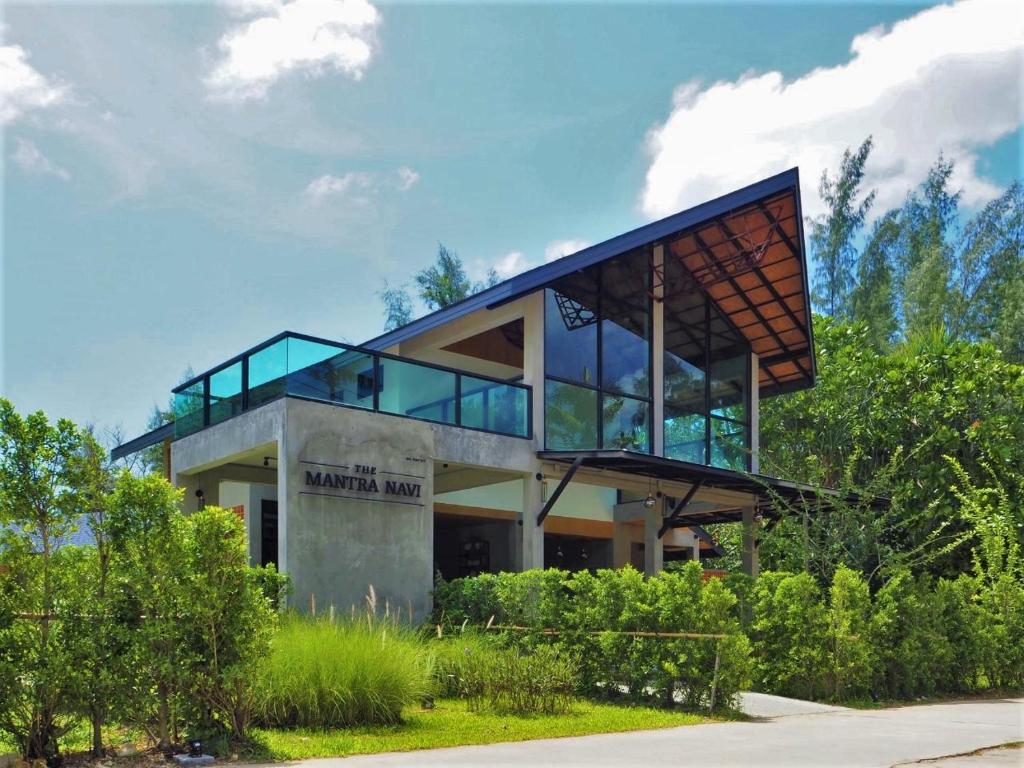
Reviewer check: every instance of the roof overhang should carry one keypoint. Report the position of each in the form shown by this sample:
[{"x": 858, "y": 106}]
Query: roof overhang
[
  {"x": 744, "y": 250},
  {"x": 140, "y": 443},
  {"x": 773, "y": 495}
]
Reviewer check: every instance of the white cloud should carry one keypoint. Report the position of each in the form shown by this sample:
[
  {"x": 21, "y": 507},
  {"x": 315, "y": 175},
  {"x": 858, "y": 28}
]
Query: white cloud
[
  {"x": 512, "y": 263},
  {"x": 28, "y": 157},
  {"x": 556, "y": 249},
  {"x": 22, "y": 87},
  {"x": 277, "y": 38},
  {"x": 407, "y": 177},
  {"x": 335, "y": 186},
  {"x": 946, "y": 79}
]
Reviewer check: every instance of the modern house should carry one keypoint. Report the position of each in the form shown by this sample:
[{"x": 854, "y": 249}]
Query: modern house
[{"x": 592, "y": 412}]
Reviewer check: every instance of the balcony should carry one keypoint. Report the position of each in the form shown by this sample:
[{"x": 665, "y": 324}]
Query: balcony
[{"x": 295, "y": 365}]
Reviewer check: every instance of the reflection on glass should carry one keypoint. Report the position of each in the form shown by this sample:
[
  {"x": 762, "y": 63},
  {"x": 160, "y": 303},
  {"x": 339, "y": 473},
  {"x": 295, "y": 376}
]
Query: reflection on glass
[
  {"x": 493, "y": 406},
  {"x": 188, "y": 409},
  {"x": 409, "y": 389},
  {"x": 345, "y": 377},
  {"x": 570, "y": 417},
  {"x": 685, "y": 435},
  {"x": 729, "y": 379},
  {"x": 626, "y": 423},
  {"x": 226, "y": 393},
  {"x": 570, "y": 332},
  {"x": 729, "y": 445},
  {"x": 626, "y": 325}
]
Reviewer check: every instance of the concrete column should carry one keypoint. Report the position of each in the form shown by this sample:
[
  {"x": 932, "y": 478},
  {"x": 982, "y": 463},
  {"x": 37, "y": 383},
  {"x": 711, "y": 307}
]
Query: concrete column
[
  {"x": 751, "y": 566},
  {"x": 621, "y": 545},
  {"x": 696, "y": 547},
  {"x": 286, "y": 494},
  {"x": 654, "y": 559},
  {"x": 532, "y": 549},
  {"x": 755, "y": 415},
  {"x": 658, "y": 354}
]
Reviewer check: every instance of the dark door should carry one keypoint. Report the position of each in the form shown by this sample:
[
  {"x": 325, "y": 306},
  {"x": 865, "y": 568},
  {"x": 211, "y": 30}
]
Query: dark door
[{"x": 268, "y": 532}]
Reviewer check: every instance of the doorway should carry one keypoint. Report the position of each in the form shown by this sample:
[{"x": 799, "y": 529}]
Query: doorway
[{"x": 268, "y": 532}]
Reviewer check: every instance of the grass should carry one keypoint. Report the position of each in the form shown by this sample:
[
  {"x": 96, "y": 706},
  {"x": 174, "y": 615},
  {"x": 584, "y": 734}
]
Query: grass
[
  {"x": 326, "y": 672},
  {"x": 452, "y": 724}
]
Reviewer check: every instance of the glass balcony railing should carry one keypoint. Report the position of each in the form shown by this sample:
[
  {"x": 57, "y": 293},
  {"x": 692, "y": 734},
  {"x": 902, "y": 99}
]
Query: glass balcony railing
[{"x": 302, "y": 366}]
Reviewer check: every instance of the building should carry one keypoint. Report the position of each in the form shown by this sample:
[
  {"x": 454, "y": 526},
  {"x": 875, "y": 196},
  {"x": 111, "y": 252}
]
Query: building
[{"x": 592, "y": 412}]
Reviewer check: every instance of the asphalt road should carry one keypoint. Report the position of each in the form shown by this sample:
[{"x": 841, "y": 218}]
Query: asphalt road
[{"x": 845, "y": 737}]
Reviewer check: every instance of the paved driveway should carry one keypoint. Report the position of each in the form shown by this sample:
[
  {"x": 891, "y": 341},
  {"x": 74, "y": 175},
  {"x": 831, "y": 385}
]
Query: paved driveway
[{"x": 855, "y": 738}]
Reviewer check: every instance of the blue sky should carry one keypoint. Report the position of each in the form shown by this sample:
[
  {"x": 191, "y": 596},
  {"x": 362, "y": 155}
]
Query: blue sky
[{"x": 183, "y": 181}]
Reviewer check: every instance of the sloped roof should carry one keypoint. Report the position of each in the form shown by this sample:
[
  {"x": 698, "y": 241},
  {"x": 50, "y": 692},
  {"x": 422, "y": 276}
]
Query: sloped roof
[{"x": 744, "y": 251}]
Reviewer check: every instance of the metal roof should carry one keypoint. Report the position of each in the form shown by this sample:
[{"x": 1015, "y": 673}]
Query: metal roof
[
  {"x": 770, "y": 491},
  {"x": 745, "y": 252}
]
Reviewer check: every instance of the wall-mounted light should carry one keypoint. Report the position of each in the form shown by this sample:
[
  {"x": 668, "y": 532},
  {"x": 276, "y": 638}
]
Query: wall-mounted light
[
  {"x": 649, "y": 502},
  {"x": 268, "y": 459},
  {"x": 201, "y": 498}
]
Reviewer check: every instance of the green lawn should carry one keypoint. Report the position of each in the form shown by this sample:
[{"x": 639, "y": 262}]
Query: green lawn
[{"x": 451, "y": 724}]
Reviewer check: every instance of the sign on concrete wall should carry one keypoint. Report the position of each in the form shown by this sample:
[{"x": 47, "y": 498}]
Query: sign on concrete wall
[{"x": 363, "y": 481}]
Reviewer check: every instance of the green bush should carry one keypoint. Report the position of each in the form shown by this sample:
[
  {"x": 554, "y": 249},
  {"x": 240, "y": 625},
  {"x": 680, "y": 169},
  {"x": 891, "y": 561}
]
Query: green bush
[
  {"x": 851, "y": 657},
  {"x": 789, "y": 631},
  {"x": 594, "y": 614},
  {"x": 326, "y": 673}
]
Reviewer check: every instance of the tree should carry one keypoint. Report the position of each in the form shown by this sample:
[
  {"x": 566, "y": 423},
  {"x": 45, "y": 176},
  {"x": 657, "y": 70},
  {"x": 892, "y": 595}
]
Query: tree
[
  {"x": 833, "y": 234},
  {"x": 148, "y": 538},
  {"x": 928, "y": 398},
  {"x": 872, "y": 301},
  {"x": 152, "y": 459},
  {"x": 445, "y": 282},
  {"x": 50, "y": 475},
  {"x": 397, "y": 306}
]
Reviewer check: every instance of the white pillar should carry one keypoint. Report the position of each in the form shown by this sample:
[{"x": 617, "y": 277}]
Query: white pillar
[
  {"x": 654, "y": 559},
  {"x": 658, "y": 354},
  {"x": 532, "y": 548}
]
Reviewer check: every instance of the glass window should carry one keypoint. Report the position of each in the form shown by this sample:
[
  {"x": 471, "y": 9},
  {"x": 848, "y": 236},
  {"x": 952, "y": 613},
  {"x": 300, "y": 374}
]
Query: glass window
[
  {"x": 625, "y": 325},
  {"x": 729, "y": 444},
  {"x": 570, "y": 330},
  {"x": 729, "y": 382},
  {"x": 345, "y": 377},
  {"x": 226, "y": 393},
  {"x": 188, "y": 409},
  {"x": 267, "y": 371},
  {"x": 493, "y": 406},
  {"x": 410, "y": 389},
  {"x": 570, "y": 419},
  {"x": 627, "y": 424},
  {"x": 685, "y": 435}
]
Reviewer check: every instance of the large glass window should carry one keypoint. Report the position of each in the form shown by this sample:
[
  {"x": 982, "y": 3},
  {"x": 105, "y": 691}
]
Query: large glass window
[
  {"x": 226, "y": 393},
  {"x": 597, "y": 350},
  {"x": 707, "y": 375},
  {"x": 570, "y": 421},
  {"x": 570, "y": 330}
]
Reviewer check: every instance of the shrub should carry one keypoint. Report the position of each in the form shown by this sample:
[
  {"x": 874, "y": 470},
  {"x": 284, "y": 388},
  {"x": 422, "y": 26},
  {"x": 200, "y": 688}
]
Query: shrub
[
  {"x": 851, "y": 658},
  {"x": 789, "y": 635},
  {"x": 326, "y": 673}
]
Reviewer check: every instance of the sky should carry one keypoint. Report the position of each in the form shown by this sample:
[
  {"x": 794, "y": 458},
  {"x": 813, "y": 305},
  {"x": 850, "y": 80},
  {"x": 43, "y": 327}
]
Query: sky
[{"x": 183, "y": 181}]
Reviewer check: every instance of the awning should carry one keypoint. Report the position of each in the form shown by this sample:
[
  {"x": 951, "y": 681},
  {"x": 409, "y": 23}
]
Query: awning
[{"x": 773, "y": 494}]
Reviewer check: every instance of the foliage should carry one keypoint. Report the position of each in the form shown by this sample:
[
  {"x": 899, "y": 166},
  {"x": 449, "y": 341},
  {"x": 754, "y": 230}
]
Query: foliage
[
  {"x": 925, "y": 266},
  {"x": 397, "y": 307},
  {"x": 330, "y": 673},
  {"x": 595, "y": 615},
  {"x": 851, "y": 657},
  {"x": 49, "y": 477},
  {"x": 788, "y": 633},
  {"x": 884, "y": 422},
  {"x": 832, "y": 235},
  {"x": 230, "y": 618}
]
